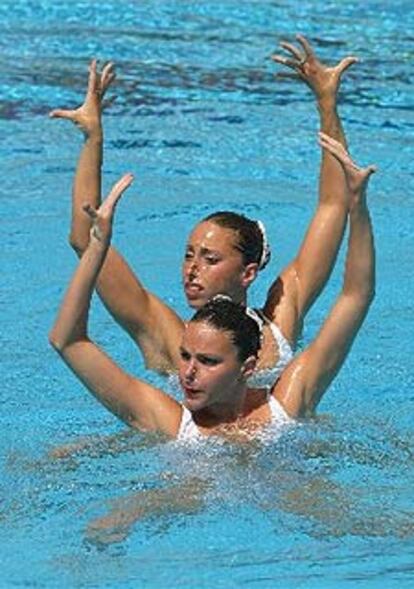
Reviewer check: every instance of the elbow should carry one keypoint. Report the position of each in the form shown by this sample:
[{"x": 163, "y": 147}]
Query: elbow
[
  {"x": 371, "y": 295},
  {"x": 55, "y": 341},
  {"x": 77, "y": 243},
  {"x": 366, "y": 298},
  {"x": 369, "y": 292}
]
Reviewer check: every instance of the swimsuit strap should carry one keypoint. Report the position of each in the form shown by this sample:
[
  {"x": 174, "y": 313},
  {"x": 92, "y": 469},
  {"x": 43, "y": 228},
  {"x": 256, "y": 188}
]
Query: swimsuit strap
[
  {"x": 285, "y": 349},
  {"x": 277, "y": 411},
  {"x": 188, "y": 429}
]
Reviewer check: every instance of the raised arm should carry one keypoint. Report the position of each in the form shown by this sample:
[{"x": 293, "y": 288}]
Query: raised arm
[
  {"x": 305, "y": 380},
  {"x": 301, "y": 282},
  {"x": 152, "y": 325},
  {"x": 135, "y": 402}
]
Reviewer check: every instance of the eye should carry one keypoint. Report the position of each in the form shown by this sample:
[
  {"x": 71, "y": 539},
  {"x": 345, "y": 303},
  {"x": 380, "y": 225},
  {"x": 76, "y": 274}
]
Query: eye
[
  {"x": 212, "y": 259},
  {"x": 208, "y": 360},
  {"x": 184, "y": 355},
  {"x": 189, "y": 254}
]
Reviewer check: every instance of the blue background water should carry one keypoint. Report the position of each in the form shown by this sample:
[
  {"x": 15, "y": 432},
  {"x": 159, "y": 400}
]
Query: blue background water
[{"x": 204, "y": 123}]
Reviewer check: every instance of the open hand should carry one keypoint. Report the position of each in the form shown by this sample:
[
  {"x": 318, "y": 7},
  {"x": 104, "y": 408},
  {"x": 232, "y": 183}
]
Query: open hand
[
  {"x": 88, "y": 116},
  {"x": 323, "y": 80},
  {"x": 102, "y": 218},
  {"x": 356, "y": 177}
]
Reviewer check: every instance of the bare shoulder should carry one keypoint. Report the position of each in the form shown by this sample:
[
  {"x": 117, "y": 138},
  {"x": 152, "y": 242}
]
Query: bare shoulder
[
  {"x": 291, "y": 388},
  {"x": 153, "y": 409}
]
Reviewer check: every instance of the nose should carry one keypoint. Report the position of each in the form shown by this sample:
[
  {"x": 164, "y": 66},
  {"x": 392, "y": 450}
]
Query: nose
[
  {"x": 190, "y": 370},
  {"x": 192, "y": 269}
]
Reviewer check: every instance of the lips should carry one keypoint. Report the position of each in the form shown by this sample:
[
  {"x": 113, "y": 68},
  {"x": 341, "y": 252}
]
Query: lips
[
  {"x": 192, "y": 289},
  {"x": 190, "y": 392}
]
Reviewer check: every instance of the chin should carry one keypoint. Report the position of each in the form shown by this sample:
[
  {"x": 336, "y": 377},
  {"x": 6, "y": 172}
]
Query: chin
[
  {"x": 193, "y": 405},
  {"x": 196, "y": 303}
]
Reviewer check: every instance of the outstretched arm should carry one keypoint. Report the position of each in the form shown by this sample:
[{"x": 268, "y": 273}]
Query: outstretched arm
[
  {"x": 152, "y": 325},
  {"x": 138, "y": 404},
  {"x": 302, "y": 281},
  {"x": 87, "y": 181},
  {"x": 308, "y": 376}
]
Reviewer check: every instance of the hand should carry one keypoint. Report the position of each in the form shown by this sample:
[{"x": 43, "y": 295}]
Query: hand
[
  {"x": 88, "y": 116},
  {"x": 356, "y": 177},
  {"x": 102, "y": 218},
  {"x": 323, "y": 80}
]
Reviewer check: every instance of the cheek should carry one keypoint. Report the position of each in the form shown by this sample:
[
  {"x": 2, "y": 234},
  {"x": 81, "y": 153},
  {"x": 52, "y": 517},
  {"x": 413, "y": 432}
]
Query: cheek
[
  {"x": 224, "y": 274},
  {"x": 221, "y": 382}
]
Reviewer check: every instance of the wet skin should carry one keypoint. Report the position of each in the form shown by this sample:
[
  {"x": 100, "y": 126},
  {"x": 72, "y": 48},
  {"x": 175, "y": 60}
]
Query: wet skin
[
  {"x": 213, "y": 265},
  {"x": 210, "y": 371}
]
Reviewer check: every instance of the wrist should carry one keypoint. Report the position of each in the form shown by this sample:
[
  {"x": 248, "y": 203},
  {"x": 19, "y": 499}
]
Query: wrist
[
  {"x": 94, "y": 135},
  {"x": 327, "y": 103},
  {"x": 358, "y": 206}
]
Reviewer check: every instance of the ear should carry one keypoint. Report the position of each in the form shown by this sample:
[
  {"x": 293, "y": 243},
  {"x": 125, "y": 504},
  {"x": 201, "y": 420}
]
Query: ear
[
  {"x": 249, "y": 366},
  {"x": 250, "y": 272}
]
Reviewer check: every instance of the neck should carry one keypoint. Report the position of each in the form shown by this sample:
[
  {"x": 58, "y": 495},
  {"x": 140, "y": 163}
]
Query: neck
[
  {"x": 223, "y": 411},
  {"x": 240, "y": 298}
]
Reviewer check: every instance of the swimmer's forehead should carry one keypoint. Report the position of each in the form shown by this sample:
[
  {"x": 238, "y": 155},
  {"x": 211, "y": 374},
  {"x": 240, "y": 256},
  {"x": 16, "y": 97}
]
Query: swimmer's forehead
[
  {"x": 209, "y": 235},
  {"x": 206, "y": 338}
]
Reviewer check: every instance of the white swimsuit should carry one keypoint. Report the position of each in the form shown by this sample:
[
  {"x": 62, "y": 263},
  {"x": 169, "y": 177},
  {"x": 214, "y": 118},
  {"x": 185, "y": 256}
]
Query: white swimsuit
[
  {"x": 266, "y": 377},
  {"x": 189, "y": 431}
]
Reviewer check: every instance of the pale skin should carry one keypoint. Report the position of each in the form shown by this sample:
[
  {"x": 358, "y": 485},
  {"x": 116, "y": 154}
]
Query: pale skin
[
  {"x": 212, "y": 263},
  {"x": 213, "y": 378}
]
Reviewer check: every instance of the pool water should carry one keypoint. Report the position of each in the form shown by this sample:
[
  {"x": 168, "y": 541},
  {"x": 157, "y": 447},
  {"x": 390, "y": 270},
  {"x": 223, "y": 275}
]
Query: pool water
[{"x": 204, "y": 123}]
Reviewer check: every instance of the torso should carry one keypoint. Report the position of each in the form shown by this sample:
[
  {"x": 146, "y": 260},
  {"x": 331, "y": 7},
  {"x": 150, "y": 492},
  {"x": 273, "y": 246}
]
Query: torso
[{"x": 260, "y": 410}]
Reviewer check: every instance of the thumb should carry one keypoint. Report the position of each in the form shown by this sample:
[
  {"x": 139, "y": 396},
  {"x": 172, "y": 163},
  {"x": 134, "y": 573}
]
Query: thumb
[
  {"x": 63, "y": 114},
  {"x": 371, "y": 170},
  {"x": 346, "y": 63},
  {"x": 115, "y": 194}
]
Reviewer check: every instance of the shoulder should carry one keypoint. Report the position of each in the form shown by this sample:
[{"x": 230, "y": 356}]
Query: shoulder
[{"x": 155, "y": 410}]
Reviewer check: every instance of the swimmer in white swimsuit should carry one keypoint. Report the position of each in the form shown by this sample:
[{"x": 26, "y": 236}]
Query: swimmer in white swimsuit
[
  {"x": 221, "y": 343},
  {"x": 225, "y": 251},
  {"x": 265, "y": 377},
  {"x": 189, "y": 430}
]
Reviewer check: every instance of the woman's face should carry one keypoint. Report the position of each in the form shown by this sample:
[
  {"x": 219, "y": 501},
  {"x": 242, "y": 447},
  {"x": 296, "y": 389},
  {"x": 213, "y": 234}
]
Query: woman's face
[
  {"x": 212, "y": 265},
  {"x": 210, "y": 371}
]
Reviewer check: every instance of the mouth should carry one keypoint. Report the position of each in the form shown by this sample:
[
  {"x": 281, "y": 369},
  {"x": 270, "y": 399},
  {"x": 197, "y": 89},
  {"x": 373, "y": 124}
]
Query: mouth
[
  {"x": 190, "y": 392},
  {"x": 193, "y": 290}
]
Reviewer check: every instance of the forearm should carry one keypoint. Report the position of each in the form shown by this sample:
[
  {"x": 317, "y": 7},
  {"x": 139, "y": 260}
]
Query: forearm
[
  {"x": 86, "y": 188},
  {"x": 71, "y": 323},
  {"x": 330, "y": 122},
  {"x": 360, "y": 264},
  {"x": 332, "y": 186}
]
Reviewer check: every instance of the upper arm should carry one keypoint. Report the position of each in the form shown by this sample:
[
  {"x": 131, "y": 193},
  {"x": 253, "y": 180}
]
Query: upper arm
[
  {"x": 307, "y": 377},
  {"x": 300, "y": 283},
  {"x": 317, "y": 253},
  {"x": 137, "y": 403},
  {"x": 152, "y": 324}
]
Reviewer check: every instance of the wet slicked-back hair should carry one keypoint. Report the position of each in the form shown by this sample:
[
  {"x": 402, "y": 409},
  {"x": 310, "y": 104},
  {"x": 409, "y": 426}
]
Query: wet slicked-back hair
[
  {"x": 251, "y": 240},
  {"x": 226, "y": 315}
]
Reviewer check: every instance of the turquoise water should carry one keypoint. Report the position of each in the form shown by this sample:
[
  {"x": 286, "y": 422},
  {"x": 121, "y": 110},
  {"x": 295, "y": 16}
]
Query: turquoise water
[{"x": 203, "y": 123}]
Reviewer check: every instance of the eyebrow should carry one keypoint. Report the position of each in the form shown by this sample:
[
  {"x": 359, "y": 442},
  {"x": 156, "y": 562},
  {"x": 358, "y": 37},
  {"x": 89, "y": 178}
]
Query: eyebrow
[{"x": 204, "y": 250}]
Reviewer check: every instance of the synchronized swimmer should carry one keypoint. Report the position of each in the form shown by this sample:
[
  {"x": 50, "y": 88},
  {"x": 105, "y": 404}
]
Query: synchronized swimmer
[
  {"x": 226, "y": 250},
  {"x": 220, "y": 345},
  {"x": 220, "y": 352}
]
